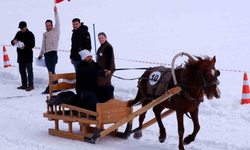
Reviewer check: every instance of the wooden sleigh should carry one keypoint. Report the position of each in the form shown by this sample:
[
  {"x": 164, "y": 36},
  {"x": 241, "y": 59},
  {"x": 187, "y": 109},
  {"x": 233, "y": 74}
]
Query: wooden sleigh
[{"x": 92, "y": 123}]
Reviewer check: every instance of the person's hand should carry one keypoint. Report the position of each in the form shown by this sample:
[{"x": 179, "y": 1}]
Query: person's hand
[
  {"x": 55, "y": 9},
  {"x": 107, "y": 72},
  {"x": 22, "y": 47},
  {"x": 40, "y": 57},
  {"x": 71, "y": 61},
  {"x": 14, "y": 41}
]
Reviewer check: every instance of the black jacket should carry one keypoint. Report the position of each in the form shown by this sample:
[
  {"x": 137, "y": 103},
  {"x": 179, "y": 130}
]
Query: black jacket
[
  {"x": 25, "y": 55},
  {"x": 80, "y": 40},
  {"x": 87, "y": 75}
]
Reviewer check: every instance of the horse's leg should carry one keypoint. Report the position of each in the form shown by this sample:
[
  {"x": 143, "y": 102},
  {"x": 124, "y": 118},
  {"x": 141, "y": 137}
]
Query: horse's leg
[
  {"x": 179, "y": 115},
  {"x": 191, "y": 138},
  {"x": 157, "y": 110},
  {"x": 138, "y": 131}
]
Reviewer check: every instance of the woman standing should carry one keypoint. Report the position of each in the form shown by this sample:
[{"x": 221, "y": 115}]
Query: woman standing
[{"x": 105, "y": 57}]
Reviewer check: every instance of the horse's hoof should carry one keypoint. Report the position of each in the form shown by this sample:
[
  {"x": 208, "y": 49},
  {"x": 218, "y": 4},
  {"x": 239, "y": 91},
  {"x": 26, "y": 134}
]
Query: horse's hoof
[
  {"x": 182, "y": 148},
  {"x": 138, "y": 134},
  {"x": 161, "y": 140},
  {"x": 162, "y": 137},
  {"x": 125, "y": 136},
  {"x": 188, "y": 140}
]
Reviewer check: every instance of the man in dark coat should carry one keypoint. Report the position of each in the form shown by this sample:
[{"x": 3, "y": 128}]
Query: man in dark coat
[
  {"x": 80, "y": 40},
  {"x": 87, "y": 86},
  {"x": 25, "y": 41}
]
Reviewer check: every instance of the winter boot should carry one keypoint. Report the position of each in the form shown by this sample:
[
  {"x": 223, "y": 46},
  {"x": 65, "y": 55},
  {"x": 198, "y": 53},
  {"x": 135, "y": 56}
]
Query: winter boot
[{"x": 46, "y": 91}]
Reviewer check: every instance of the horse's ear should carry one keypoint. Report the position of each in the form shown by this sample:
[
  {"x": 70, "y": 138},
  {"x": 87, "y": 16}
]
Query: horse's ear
[{"x": 214, "y": 59}]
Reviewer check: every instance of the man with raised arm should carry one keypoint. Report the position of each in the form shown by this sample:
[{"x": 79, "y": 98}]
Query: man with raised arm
[{"x": 50, "y": 45}]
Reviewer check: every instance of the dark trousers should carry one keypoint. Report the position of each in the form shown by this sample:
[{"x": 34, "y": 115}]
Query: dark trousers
[
  {"x": 22, "y": 70},
  {"x": 98, "y": 95},
  {"x": 75, "y": 63},
  {"x": 51, "y": 61},
  {"x": 105, "y": 81}
]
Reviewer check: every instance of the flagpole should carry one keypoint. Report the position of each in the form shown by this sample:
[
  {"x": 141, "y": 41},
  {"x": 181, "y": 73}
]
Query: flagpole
[{"x": 95, "y": 41}]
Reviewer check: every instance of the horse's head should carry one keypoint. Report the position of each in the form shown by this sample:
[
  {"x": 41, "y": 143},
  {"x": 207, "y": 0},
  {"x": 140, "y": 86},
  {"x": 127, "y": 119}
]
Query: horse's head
[
  {"x": 209, "y": 76},
  {"x": 206, "y": 75}
]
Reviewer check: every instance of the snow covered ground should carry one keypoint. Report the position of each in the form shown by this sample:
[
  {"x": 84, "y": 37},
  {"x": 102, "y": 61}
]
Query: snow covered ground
[{"x": 138, "y": 30}]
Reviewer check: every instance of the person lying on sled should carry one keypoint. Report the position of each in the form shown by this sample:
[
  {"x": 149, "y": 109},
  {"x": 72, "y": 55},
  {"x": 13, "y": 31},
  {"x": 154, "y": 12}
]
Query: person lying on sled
[{"x": 87, "y": 88}]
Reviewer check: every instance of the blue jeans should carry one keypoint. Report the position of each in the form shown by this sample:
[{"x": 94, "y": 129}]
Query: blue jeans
[
  {"x": 99, "y": 95},
  {"x": 51, "y": 61},
  {"x": 22, "y": 70},
  {"x": 75, "y": 63}
]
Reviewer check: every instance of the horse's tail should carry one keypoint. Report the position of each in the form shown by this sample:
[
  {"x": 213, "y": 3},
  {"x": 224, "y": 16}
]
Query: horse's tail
[{"x": 136, "y": 101}]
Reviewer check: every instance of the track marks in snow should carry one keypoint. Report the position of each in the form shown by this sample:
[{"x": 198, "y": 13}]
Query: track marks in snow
[{"x": 19, "y": 144}]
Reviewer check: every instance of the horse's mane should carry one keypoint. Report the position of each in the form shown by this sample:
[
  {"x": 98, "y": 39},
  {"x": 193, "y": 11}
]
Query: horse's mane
[{"x": 193, "y": 67}]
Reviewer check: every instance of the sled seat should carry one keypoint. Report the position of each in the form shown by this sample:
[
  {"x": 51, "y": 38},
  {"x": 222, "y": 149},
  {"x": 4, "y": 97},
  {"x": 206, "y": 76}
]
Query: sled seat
[{"x": 91, "y": 123}]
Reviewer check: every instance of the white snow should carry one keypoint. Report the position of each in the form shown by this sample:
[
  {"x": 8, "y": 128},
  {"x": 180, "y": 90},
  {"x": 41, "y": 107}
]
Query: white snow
[{"x": 153, "y": 31}]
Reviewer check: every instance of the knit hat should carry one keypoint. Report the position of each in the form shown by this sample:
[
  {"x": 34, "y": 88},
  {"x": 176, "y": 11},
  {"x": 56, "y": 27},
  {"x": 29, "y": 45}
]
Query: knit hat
[{"x": 84, "y": 54}]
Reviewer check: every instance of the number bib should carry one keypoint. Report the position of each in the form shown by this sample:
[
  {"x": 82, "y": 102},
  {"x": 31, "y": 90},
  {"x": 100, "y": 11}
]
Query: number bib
[{"x": 154, "y": 77}]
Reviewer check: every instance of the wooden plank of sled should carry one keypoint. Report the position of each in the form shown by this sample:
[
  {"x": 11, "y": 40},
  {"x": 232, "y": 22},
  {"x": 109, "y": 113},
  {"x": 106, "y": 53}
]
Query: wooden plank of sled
[
  {"x": 60, "y": 85},
  {"x": 152, "y": 121},
  {"x": 79, "y": 109},
  {"x": 63, "y": 86},
  {"x": 69, "y": 76},
  {"x": 112, "y": 111},
  {"x": 66, "y": 134},
  {"x": 69, "y": 119},
  {"x": 155, "y": 102}
]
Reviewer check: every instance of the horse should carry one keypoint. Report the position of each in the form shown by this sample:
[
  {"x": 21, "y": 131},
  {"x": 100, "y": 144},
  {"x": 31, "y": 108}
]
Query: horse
[{"x": 198, "y": 77}]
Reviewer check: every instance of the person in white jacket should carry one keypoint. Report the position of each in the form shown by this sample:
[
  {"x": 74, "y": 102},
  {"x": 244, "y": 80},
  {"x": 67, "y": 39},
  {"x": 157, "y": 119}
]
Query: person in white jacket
[{"x": 50, "y": 45}]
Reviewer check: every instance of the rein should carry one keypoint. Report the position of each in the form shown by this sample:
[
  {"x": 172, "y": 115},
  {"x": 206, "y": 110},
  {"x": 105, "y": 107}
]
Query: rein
[
  {"x": 125, "y": 78},
  {"x": 120, "y": 69}
]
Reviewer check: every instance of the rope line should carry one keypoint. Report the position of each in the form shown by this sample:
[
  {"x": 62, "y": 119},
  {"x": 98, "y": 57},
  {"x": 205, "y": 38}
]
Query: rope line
[{"x": 139, "y": 61}]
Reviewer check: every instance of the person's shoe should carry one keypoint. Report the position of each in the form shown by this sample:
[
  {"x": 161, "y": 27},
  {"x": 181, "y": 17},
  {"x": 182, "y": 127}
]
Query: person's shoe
[
  {"x": 22, "y": 87},
  {"x": 46, "y": 90},
  {"x": 30, "y": 88}
]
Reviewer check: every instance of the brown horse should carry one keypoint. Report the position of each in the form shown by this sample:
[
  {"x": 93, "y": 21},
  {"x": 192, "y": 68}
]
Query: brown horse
[{"x": 196, "y": 78}]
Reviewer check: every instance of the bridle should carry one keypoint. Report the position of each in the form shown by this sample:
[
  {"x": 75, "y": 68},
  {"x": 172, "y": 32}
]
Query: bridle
[
  {"x": 203, "y": 89},
  {"x": 207, "y": 84}
]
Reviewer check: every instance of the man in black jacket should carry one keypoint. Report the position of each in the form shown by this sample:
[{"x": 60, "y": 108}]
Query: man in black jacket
[
  {"x": 80, "y": 40},
  {"x": 25, "y": 55},
  {"x": 87, "y": 86}
]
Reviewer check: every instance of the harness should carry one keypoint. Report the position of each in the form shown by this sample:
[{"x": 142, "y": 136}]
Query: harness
[
  {"x": 203, "y": 89},
  {"x": 182, "y": 84},
  {"x": 185, "y": 93}
]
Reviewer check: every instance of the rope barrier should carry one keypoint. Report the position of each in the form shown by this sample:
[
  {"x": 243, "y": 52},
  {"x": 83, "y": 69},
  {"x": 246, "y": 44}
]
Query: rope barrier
[{"x": 138, "y": 61}]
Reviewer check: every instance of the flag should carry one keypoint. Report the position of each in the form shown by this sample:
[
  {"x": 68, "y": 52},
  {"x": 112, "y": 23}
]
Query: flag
[{"x": 59, "y": 1}]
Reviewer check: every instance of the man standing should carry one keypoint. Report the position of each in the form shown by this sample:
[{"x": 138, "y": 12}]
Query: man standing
[
  {"x": 25, "y": 55},
  {"x": 80, "y": 40},
  {"x": 50, "y": 45},
  {"x": 87, "y": 86}
]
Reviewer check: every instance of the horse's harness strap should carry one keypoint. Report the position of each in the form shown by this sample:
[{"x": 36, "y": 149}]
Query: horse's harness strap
[
  {"x": 190, "y": 98},
  {"x": 186, "y": 94}
]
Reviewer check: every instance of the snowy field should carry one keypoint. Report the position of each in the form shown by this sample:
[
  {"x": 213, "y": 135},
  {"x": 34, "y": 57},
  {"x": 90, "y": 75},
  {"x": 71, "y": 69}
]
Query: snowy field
[{"x": 153, "y": 31}]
